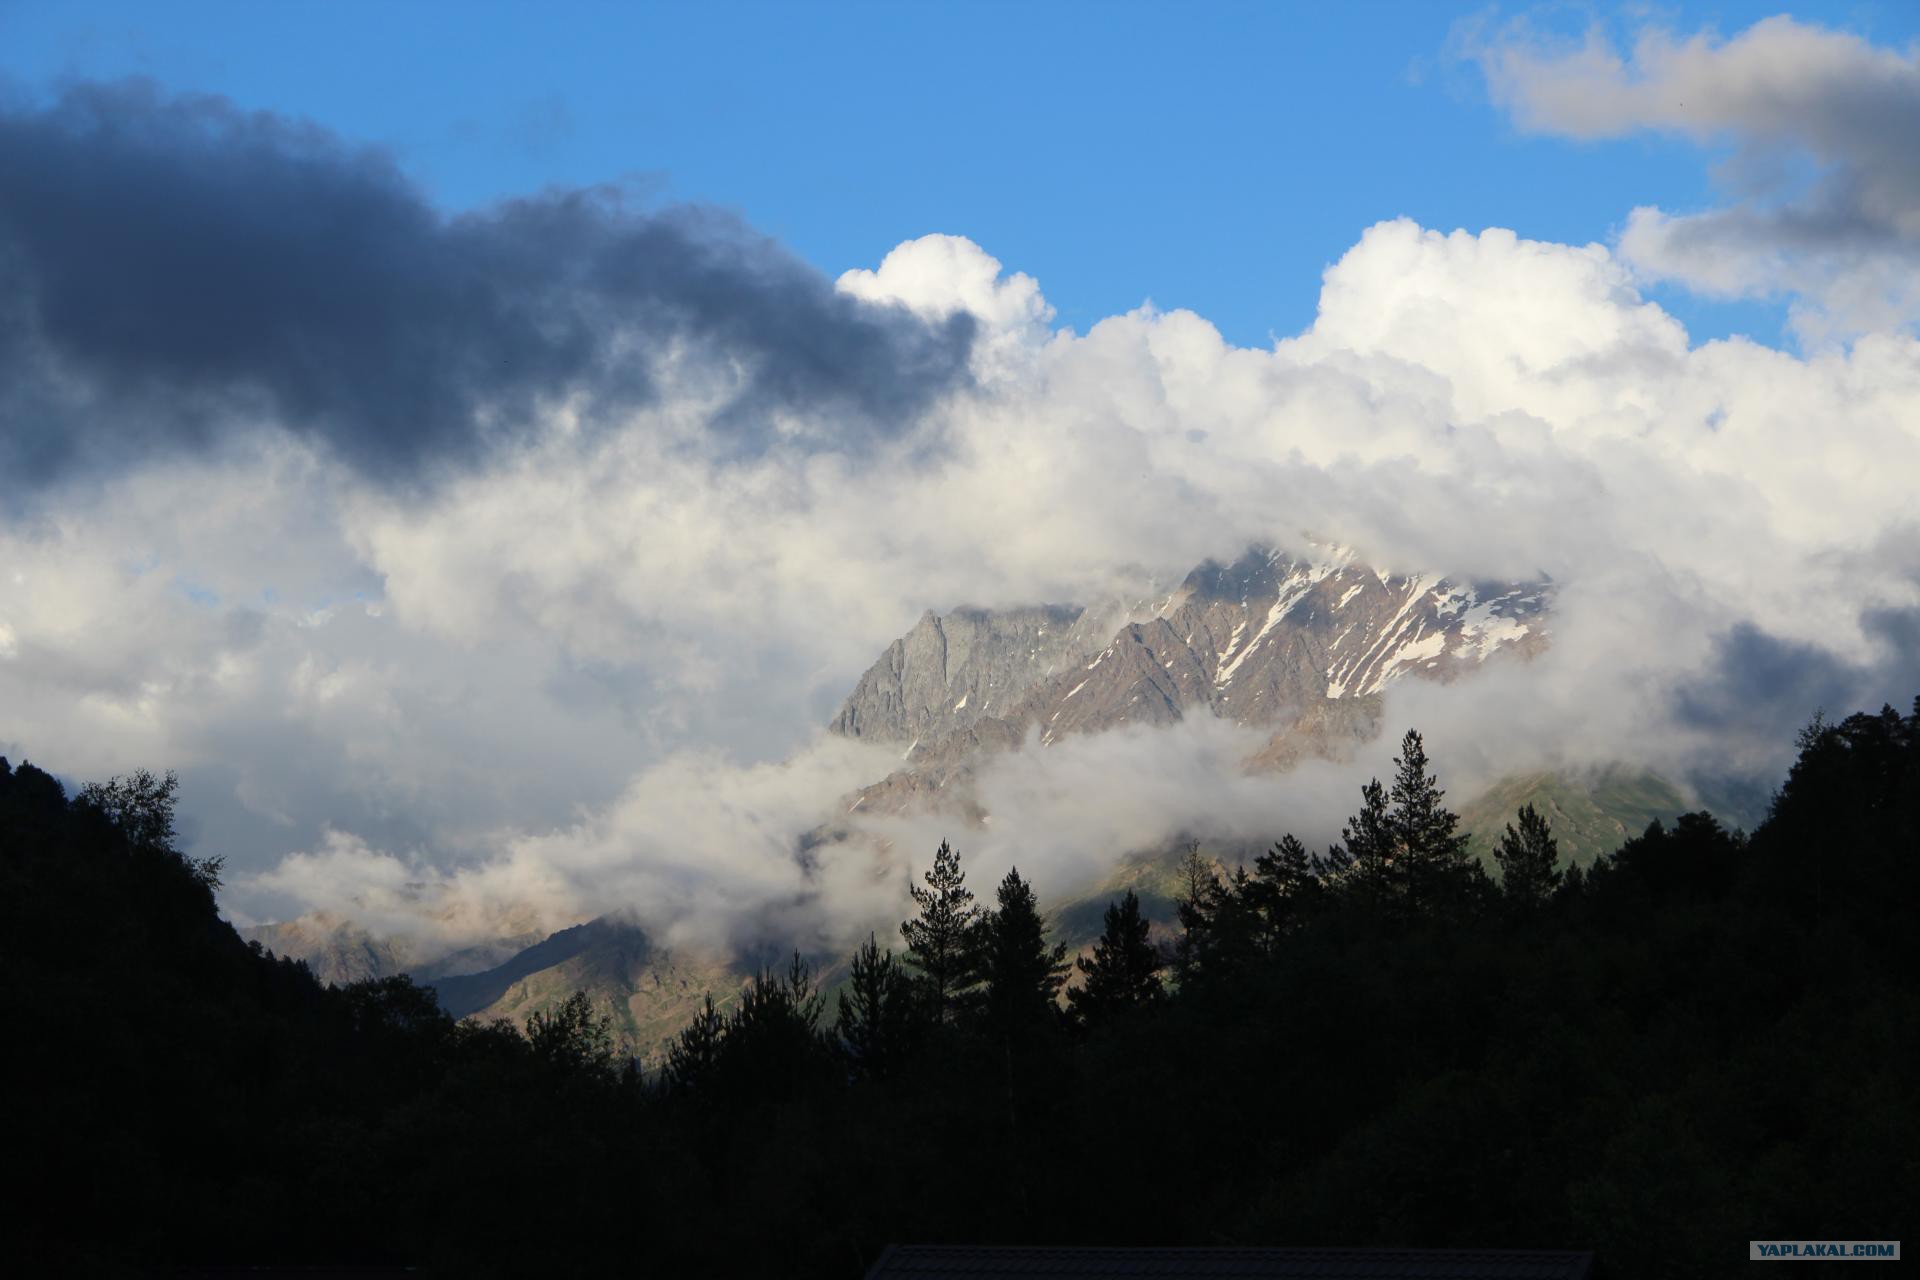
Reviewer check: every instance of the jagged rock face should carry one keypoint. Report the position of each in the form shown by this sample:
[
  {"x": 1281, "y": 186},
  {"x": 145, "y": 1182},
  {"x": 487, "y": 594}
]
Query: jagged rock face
[
  {"x": 1301, "y": 647},
  {"x": 949, "y": 672},
  {"x": 1269, "y": 636}
]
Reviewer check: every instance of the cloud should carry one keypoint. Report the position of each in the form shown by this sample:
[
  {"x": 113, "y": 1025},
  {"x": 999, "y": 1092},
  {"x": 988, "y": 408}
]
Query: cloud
[
  {"x": 1481, "y": 403},
  {"x": 587, "y": 672},
  {"x": 1824, "y": 176},
  {"x": 175, "y": 269},
  {"x": 710, "y": 853},
  {"x": 1066, "y": 814},
  {"x": 699, "y": 849},
  {"x": 940, "y": 277}
]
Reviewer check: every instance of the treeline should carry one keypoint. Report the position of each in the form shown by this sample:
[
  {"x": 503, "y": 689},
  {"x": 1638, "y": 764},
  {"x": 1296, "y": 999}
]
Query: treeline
[{"x": 1700, "y": 1040}]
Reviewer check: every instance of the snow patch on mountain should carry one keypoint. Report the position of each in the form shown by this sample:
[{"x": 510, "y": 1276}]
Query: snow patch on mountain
[{"x": 1260, "y": 642}]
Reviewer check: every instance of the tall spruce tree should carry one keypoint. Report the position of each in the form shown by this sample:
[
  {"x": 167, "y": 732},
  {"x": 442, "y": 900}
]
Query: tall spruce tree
[
  {"x": 941, "y": 940},
  {"x": 1529, "y": 860},
  {"x": 1123, "y": 974},
  {"x": 1431, "y": 862},
  {"x": 879, "y": 1015},
  {"x": 1023, "y": 974}
]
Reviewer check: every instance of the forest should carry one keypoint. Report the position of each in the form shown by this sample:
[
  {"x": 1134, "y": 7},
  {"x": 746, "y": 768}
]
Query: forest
[{"x": 1704, "y": 1038}]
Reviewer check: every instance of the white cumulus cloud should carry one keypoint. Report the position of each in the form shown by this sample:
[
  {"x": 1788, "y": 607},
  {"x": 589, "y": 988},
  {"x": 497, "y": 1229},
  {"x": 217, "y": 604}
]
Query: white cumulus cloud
[
  {"x": 1823, "y": 174},
  {"x": 589, "y": 675}
]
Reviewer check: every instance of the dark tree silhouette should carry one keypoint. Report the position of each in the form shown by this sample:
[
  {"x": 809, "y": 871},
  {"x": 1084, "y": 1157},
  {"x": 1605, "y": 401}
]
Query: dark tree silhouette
[
  {"x": 941, "y": 940},
  {"x": 1023, "y": 974},
  {"x": 1368, "y": 855},
  {"x": 694, "y": 1056},
  {"x": 1430, "y": 858},
  {"x": 768, "y": 1047},
  {"x": 774, "y": 1045},
  {"x": 573, "y": 1037},
  {"x": 1123, "y": 973},
  {"x": 1195, "y": 908},
  {"x": 1529, "y": 860},
  {"x": 140, "y": 804},
  {"x": 1696, "y": 857},
  {"x": 1222, "y": 929},
  {"x": 1285, "y": 887},
  {"x": 1852, "y": 795},
  {"x": 143, "y": 805},
  {"x": 879, "y": 1010}
]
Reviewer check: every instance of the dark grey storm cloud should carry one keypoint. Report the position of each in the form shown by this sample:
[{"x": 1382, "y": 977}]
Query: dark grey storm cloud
[
  {"x": 171, "y": 266},
  {"x": 1764, "y": 686}
]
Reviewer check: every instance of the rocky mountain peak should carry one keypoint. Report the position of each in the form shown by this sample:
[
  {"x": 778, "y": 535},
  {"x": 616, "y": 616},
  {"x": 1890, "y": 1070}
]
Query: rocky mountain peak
[
  {"x": 1268, "y": 640},
  {"x": 951, "y": 671}
]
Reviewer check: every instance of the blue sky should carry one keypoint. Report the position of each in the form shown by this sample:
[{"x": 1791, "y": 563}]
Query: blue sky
[{"x": 1212, "y": 157}]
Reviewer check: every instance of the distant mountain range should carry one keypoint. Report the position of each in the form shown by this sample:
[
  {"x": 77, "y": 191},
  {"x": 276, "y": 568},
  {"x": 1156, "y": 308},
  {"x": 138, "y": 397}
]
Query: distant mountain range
[{"x": 1298, "y": 648}]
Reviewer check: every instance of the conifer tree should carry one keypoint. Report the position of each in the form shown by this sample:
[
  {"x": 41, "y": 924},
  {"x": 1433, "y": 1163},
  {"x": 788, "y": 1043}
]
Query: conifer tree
[
  {"x": 1023, "y": 974},
  {"x": 774, "y": 1004},
  {"x": 1573, "y": 883},
  {"x": 1529, "y": 860},
  {"x": 878, "y": 1012},
  {"x": 1222, "y": 928},
  {"x": 1424, "y": 828},
  {"x": 1285, "y": 883},
  {"x": 1368, "y": 852},
  {"x": 773, "y": 1042},
  {"x": 1334, "y": 867},
  {"x": 1286, "y": 866},
  {"x": 941, "y": 940},
  {"x": 694, "y": 1055},
  {"x": 1407, "y": 856},
  {"x": 1432, "y": 859},
  {"x": 1123, "y": 974}
]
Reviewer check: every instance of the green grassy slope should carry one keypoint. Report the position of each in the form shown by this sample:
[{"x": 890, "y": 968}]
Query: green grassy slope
[{"x": 1592, "y": 814}]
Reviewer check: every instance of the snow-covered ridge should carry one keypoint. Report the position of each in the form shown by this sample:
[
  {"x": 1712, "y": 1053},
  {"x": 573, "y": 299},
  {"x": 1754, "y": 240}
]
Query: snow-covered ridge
[{"x": 1256, "y": 641}]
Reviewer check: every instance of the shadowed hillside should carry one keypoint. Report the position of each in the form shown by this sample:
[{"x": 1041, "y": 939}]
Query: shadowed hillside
[{"x": 647, "y": 994}]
